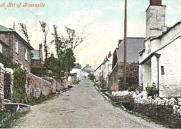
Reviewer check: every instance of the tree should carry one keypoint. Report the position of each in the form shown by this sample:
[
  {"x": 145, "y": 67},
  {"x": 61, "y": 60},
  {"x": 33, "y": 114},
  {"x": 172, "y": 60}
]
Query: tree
[
  {"x": 73, "y": 38},
  {"x": 23, "y": 30},
  {"x": 59, "y": 43},
  {"x": 45, "y": 31},
  {"x": 69, "y": 59}
]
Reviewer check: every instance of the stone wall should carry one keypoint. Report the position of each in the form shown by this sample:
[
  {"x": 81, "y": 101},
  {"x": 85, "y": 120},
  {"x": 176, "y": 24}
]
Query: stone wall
[
  {"x": 116, "y": 77},
  {"x": 3, "y": 71},
  {"x": 37, "y": 86},
  {"x": 166, "y": 110},
  {"x": 44, "y": 85}
]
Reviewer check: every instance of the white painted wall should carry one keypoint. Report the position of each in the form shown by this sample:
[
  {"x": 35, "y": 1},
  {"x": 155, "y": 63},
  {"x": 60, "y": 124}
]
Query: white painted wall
[{"x": 155, "y": 20}]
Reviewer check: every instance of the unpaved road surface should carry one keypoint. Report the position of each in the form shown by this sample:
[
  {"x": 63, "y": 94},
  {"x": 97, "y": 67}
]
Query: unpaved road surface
[{"x": 81, "y": 107}]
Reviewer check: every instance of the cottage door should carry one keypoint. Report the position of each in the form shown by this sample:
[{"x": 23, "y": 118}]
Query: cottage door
[{"x": 7, "y": 86}]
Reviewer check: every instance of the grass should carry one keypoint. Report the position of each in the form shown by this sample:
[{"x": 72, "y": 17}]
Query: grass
[
  {"x": 11, "y": 119},
  {"x": 34, "y": 101}
]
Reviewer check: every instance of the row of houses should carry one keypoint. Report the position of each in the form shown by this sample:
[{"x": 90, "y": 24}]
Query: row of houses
[{"x": 155, "y": 58}]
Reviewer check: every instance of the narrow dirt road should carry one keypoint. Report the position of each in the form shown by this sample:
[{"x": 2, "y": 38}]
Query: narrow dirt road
[{"x": 81, "y": 107}]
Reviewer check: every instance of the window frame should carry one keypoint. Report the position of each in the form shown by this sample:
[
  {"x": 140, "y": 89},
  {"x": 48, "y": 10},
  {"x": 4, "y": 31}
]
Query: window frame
[
  {"x": 26, "y": 54},
  {"x": 16, "y": 46},
  {"x": 1, "y": 48}
]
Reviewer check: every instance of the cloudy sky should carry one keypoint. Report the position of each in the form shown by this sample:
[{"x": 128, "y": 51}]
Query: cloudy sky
[{"x": 100, "y": 22}]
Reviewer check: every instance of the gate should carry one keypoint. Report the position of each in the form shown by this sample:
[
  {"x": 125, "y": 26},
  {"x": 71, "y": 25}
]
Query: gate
[{"x": 7, "y": 86}]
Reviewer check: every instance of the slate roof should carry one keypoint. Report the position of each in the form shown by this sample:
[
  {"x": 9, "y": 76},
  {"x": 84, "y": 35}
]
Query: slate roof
[
  {"x": 5, "y": 29},
  {"x": 134, "y": 46},
  {"x": 36, "y": 54}
]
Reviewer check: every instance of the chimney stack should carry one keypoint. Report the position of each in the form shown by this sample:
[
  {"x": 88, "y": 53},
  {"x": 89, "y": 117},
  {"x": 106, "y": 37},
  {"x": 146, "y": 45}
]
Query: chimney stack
[
  {"x": 156, "y": 2},
  {"x": 119, "y": 42}
]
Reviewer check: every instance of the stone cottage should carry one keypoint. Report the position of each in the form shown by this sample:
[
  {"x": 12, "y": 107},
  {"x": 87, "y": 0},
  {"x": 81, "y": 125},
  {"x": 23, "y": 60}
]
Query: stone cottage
[
  {"x": 160, "y": 60},
  {"x": 134, "y": 45},
  {"x": 15, "y": 48}
]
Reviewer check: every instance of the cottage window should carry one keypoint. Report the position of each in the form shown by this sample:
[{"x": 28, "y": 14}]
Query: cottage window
[
  {"x": 16, "y": 46},
  {"x": 26, "y": 54},
  {"x": 1, "y": 48},
  {"x": 162, "y": 70}
]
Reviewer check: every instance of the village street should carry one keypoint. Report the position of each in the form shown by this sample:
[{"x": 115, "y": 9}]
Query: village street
[{"x": 81, "y": 106}]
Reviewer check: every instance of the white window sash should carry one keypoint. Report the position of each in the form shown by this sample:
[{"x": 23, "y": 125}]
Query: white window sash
[
  {"x": 1, "y": 48},
  {"x": 16, "y": 46},
  {"x": 26, "y": 54}
]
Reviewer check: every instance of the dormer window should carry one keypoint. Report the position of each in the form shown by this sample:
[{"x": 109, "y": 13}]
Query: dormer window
[{"x": 16, "y": 46}]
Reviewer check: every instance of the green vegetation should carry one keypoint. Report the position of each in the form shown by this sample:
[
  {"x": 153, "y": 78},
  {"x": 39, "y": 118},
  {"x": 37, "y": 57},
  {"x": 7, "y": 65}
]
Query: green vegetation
[
  {"x": 151, "y": 91},
  {"x": 24, "y": 31},
  {"x": 7, "y": 63},
  {"x": 11, "y": 119},
  {"x": 76, "y": 82},
  {"x": 19, "y": 90},
  {"x": 34, "y": 100},
  {"x": 91, "y": 77},
  {"x": 135, "y": 88}
]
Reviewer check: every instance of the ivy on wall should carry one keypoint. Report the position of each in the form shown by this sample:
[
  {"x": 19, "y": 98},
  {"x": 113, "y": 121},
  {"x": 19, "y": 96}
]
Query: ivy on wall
[
  {"x": 19, "y": 90},
  {"x": 7, "y": 63}
]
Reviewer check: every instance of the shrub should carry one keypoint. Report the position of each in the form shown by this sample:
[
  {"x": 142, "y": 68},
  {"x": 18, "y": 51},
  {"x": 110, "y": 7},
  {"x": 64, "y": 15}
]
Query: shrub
[
  {"x": 39, "y": 71},
  {"x": 19, "y": 90},
  {"x": 91, "y": 77},
  {"x": 76, "y": 82},
  {"x": 133, "y": 88},
  {"x": 151, "y": 91},
  {"x": 7, "y": 63}
]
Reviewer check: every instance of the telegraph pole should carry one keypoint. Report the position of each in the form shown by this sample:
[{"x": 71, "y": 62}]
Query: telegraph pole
[{"x": 125, "y": 47}]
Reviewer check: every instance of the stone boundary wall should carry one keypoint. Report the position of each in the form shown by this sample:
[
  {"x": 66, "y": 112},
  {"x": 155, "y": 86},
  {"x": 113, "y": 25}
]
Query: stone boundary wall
[
  {"x": 44, "y": 85},
  {"x": 162, "y": 109},
  {"x": 4, "y": 70},
  {"x": 37, "y": 86}
]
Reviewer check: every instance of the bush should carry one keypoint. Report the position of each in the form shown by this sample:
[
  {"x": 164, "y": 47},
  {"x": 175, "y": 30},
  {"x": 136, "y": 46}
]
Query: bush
[
  {"x": 151, "y": 91},
  {"x": 31, "y": 100},
  {"x": 133, "y": 88},
  {"x": 41, "y": 72},
  {"x": 19, "y": 90},
  {"x": 91, "y": 77},
  {"x": 7, "y": 63},
  {"x": 76, "y": 82}
]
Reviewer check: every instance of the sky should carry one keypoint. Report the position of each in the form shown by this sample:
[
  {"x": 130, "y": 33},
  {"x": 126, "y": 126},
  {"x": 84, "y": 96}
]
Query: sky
[{"x": 100, "y": 22}]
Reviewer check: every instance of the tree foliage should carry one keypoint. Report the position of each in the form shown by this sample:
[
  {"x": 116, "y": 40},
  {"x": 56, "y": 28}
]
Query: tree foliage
[
  {"x": 45, "y": 31},
  {"x": 73, "y": 38},
  {"x": 64, "y": 47},
  {"x": 24, "y": 31}
]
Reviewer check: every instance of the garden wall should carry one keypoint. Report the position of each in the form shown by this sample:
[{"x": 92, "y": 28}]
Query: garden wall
[
  {"x": 166, "y": 110},
  {"x": 5, "y": 90},
  {"x": 44, "y": 85}
]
